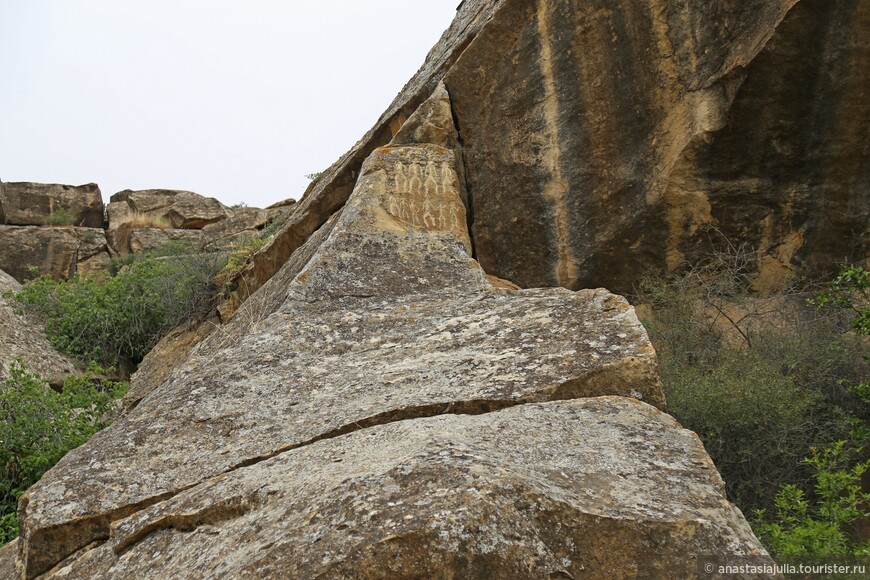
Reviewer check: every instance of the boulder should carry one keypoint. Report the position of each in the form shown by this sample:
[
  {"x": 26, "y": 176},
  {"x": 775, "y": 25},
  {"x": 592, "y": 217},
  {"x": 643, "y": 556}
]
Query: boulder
[
  {"x": 145, "y": 239},
  {"x": 325, "y": 391},
  {"x": 30, "y": 251},
  {"x": 181, "y": 209},
  {"x": 23, "y": 338},
  {"x": 598, "y": 488},
  {"x": 60, "y": 252},
  {"x": 135, "y": 218},
  {"x": 242, "y": 224},
  {"x": 33, "y": 204},
  {"x": 328, "y": 193},
  {"x": 9, "y": 560}
]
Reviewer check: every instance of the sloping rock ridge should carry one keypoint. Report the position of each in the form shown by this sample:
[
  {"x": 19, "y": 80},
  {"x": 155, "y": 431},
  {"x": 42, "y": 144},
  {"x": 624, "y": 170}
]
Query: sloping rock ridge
[
  {"x": 24, "y": 339},
  {"x": 388, "y": 411},
  {"x": 642, "y": 134}
]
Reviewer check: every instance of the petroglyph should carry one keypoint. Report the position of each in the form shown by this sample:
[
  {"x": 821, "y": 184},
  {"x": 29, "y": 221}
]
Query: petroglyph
[{"x": 425, "y": 197}]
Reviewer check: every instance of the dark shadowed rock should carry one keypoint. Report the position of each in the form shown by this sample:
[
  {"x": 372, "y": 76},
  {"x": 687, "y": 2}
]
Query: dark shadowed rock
[
  {"x": 31, "y": 204},
  {"x": 643, "y": 134}
]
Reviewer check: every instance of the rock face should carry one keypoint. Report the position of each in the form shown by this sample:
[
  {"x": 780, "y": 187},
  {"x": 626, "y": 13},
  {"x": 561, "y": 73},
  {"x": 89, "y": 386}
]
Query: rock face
[
  {"x": 22, "y": 338},
  {"x": 130, "y": 211},
  {"x": 32, "y": 204},
  {"x": 741, "y": 121},
  {"x": 30, "y": 251},
  {"x": 574, "y": 489},
  {"x": 308, "y": 433},
  {"x": 602, "y": 140}
]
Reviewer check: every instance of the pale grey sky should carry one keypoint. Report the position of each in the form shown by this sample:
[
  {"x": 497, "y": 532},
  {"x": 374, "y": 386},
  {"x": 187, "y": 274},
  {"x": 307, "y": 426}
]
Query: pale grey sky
[{"x": 234, "y": 99}]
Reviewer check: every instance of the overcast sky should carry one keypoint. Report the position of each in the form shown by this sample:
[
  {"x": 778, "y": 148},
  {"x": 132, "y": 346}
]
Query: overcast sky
[{"x": 233, "y": 99}]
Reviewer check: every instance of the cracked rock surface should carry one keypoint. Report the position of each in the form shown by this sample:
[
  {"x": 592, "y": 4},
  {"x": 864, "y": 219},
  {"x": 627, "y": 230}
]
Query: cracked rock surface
[
  {"x": 566, "y": 489},
  {"x": 389, "y": 369}
]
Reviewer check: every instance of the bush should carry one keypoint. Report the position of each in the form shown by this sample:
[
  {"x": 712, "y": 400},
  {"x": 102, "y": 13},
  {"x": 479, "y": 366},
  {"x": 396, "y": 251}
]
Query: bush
[
  {"x": 115, "y": 321},
  {"x": 59, "y": 216},
  {"x": 38, "y": 426},
  {"x": 761, "y": 380},
  {"x": 820, "y": 527}
]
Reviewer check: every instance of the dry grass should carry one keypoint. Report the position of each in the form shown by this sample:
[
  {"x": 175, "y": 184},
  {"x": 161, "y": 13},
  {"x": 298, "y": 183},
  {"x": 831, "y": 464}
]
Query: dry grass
[{"x": 138, "y": 220}]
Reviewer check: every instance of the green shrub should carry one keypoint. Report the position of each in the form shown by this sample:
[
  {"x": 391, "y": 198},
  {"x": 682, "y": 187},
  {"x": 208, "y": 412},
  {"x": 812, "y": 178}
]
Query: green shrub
[
  {"x": 819, "y": 526},
  {"x": 60, "y": 216},
  {"x": 38, "y": 426},
  {"x": 238, "y": 259},
  {"x": 761, "y": 381},
  {"x": 755, "y": 420},
  {"x": 849, "y": 291},
  {"x": 115, "y": 321}
]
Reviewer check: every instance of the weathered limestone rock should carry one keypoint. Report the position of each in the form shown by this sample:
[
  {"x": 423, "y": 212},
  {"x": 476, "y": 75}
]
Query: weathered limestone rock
[
  {"x": 31, "y": 204},
  {"x": 92, "y": 256},
  {"x": 641, "y": 134},
  {"x": 172, "y": 350},
  {"x": 30, "y": 251},
  {"x": 9, "y": 561},
  {"x": 23, "y": 338},
  {"x": 606, "y": 487},
  {"x": 241, "y": 225},
  {"x": 389, "y": 321},
  {"x": 145, "y": 239},
  {"x": 134, "y": 216},
  {"x": 329, "y": 192},
  {"x": 183, "y": 209}
]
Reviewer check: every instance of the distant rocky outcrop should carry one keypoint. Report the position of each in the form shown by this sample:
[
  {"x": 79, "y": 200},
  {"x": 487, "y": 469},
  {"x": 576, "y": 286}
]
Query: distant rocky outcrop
[
  {"x": 30, "y": 251},
  {"x": 33, "y": 204},
  {"x": 35, "y": 241},
  {"x": 23, "y": 339}
]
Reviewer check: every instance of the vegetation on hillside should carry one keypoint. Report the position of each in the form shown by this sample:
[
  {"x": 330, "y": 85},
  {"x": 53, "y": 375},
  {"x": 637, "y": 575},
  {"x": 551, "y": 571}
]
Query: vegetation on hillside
[
  {"x": 38, "y": 426},
  {"x": 115, "y": 320},
  {"x": 777, "y": 390}
]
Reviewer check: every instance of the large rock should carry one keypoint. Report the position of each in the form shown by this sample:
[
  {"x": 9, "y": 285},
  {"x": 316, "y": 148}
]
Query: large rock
[
  {"x": 143, "y": 220},
  {"x": 144, "y": 239},
  {"x": 328, "y": 193},
  {"x": 32, "y": 204},
  {"x": 9, "y": 561},
  {"x": 646, "y": 133},
  {"x": 30, "y": 251},
  {"x": 600, "y": 488},
  {"x": 22, "y": 338},
  {"x": 388, "y": 321},
  {"x": 243, "y": 224},
  {"x": 182, "y": 209},
  {"x": 603, "y": 140}
]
